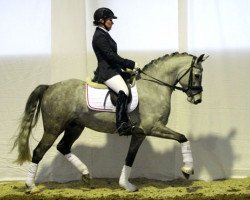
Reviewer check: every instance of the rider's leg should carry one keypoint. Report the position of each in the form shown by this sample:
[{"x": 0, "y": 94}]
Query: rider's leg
[{"x": 118, "y": 85}]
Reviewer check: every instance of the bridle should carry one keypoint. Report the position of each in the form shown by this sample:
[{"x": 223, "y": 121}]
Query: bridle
[{"x": 191, "y": 90}]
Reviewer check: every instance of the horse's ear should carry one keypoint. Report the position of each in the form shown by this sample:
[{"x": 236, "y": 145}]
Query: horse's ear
[{"x": 202, "y": 58}]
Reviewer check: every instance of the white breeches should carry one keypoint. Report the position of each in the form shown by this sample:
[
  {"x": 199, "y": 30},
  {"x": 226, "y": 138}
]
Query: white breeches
[{"x": 116, "y": 83}]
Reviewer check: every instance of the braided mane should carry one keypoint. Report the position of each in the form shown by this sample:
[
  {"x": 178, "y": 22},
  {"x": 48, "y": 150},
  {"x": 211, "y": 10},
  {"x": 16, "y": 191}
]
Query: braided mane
[{"x": 163, "y": 58}]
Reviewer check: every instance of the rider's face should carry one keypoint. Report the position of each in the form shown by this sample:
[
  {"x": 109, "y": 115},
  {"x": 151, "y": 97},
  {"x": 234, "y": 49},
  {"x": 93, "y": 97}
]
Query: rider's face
[{"x": 109, "y": 23}]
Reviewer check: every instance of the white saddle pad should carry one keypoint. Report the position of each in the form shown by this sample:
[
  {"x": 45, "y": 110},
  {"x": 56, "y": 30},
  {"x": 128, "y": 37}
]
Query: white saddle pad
[{"x": 99, "y": 100}]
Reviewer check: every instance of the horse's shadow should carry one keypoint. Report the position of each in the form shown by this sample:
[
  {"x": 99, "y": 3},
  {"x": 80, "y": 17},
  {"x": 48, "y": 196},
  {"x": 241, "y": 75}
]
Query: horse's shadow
[
  {"x": 213, "y": 159},
  {"x": 214, "y": 156}
]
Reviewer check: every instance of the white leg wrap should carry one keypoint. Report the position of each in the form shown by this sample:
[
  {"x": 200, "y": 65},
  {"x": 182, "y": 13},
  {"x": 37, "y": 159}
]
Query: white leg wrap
[
  {"x": 123, "y": 181},
  {"x": 186, "y": 152},
  {"x": 188, "y": 167},
  {"x": 30, "y": 180},
  {"x": 82, "y": 168}
]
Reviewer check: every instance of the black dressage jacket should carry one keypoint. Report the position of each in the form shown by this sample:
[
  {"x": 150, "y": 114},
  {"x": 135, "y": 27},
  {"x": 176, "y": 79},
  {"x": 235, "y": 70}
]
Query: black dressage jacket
[{"x": 109, "y": 62}]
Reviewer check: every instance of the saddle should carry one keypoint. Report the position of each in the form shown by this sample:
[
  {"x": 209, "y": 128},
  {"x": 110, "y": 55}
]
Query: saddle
[{"x": 101, "y": 98}]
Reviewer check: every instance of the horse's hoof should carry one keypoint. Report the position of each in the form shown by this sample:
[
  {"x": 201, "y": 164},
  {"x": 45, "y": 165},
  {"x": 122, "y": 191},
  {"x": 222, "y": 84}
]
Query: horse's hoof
[
  {"x": 187, "y": 171},
  {"x": 129, "y": 187},
  {"x": 185, "y": 175},
  {"x": 86, "y": 179},
  {"x": 32, "y": 189}
]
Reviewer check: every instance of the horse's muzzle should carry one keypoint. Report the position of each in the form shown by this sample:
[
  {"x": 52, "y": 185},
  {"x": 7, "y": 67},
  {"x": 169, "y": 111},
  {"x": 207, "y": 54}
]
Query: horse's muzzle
[{"x": 196, "y": 99}]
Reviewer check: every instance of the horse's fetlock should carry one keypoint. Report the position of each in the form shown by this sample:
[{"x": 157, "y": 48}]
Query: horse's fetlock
[{"x": 62, "y": 149}]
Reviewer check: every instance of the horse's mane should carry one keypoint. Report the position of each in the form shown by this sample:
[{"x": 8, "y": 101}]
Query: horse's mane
[{"x": 165, "y": 57}]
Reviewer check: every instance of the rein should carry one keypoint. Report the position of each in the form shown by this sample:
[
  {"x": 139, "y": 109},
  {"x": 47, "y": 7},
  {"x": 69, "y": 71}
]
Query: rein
[
  {"x": 155, "y": 80},
  {"x": 174, "y": 86}
]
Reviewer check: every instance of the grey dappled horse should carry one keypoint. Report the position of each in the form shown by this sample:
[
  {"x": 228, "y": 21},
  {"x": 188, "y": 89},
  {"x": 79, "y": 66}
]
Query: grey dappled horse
[{"x": 64, "y": 108}]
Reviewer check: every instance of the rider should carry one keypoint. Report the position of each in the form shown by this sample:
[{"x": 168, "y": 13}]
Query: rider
[{"x": 110, "y": 65}]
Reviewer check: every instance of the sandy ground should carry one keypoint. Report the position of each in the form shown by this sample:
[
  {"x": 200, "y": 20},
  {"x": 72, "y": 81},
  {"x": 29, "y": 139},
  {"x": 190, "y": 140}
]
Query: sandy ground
[{"x": 148, "y": 189}]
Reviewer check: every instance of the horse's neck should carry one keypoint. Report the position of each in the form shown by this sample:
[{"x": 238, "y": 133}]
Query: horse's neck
[{"x": 166, "y": 71}]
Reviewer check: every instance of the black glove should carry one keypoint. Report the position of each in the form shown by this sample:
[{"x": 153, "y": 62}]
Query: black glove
[{"x": 129, "y": 64}]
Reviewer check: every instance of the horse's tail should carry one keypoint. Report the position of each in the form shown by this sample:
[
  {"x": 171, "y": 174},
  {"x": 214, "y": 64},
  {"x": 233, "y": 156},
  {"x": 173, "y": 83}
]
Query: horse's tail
[{"x": 28, "y": 121}]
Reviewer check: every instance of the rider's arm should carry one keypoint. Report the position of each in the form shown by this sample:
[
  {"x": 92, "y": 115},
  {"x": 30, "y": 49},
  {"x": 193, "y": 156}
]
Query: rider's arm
[{"x": 103, "y": 45}]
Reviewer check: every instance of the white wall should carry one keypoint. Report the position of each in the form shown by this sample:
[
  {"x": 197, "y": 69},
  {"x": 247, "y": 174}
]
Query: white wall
[{"x": 25, "y": 50}]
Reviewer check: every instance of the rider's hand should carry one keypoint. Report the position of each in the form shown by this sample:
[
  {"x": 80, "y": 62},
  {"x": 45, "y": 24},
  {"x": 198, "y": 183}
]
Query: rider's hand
[
  {"x": 137, "y": 69},
  {"x": 136, "y": 65}
]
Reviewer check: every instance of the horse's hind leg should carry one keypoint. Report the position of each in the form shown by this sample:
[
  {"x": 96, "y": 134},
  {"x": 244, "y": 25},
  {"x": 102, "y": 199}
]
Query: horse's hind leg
[
  {"x": 38, "y": 153},
  {"x": 71, "y": 134}
]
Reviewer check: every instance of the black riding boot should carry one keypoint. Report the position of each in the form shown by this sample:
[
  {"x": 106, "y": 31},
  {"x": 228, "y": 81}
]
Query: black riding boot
[{"x": 124, "y": 127}]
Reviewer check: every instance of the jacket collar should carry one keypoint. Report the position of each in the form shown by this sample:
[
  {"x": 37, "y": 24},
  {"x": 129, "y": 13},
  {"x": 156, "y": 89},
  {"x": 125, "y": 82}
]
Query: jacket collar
[
  {"x": 100, "y": 28},
  {"x": 105, "y": 32}
]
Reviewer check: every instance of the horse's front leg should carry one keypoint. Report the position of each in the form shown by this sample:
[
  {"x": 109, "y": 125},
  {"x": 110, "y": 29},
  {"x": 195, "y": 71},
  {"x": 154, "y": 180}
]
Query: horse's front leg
[
  {"x": 136, "y": 141},
  {"x": 160, "y": 130}
]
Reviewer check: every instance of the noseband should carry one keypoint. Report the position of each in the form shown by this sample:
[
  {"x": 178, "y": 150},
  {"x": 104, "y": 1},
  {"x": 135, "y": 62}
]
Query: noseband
[{"x": 189, "y": 90}]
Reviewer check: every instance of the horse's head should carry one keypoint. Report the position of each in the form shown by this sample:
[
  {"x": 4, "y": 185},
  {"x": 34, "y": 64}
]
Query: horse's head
[{"x": 191, "y": 80}]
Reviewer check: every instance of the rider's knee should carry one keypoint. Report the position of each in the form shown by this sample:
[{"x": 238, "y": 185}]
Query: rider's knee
[{"x": 126, "y": 92}]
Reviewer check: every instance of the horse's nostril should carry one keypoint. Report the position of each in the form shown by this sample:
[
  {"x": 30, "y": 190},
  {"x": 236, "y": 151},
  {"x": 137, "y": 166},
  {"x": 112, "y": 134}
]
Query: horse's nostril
[{"x": 197, "y": 101}]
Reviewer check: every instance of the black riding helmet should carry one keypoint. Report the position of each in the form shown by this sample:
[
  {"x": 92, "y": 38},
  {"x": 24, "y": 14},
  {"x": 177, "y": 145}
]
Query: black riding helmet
[{"x": 103, "y": 13}]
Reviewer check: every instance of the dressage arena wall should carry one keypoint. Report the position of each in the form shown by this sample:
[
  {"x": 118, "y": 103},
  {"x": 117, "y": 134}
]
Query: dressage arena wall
[{"x": 218, "y": 128}]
